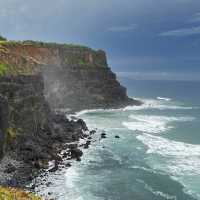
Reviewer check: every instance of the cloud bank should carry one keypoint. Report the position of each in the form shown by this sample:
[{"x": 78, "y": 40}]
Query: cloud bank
[{"x": 182, "y": 32}]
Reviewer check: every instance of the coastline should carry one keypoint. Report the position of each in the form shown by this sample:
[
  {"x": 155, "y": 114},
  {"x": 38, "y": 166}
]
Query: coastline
[
  {"x": 37, "y": 81},
  {"x": 19, "y": 174},
  {"x": 109, "y": 158}
]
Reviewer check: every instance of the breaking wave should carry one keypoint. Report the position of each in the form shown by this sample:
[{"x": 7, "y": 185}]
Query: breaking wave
[
  {"x": 159, "y": 104},
  {"x": 153, "y": 124},
  {"x": 181, "y": 158},
  {"x": 164, "y": 98}
]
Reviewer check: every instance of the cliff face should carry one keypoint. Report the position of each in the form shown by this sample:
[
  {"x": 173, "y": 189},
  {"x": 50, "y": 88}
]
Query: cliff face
[
  {"x": 36, "y": 77},
  {"x": 75, "y": 77},
  {"x": 24, "y": 110},
  {"x": 31, "y": 134}
]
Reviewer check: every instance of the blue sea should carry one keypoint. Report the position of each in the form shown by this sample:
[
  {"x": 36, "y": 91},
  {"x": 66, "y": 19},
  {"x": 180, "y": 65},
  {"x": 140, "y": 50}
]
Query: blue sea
[{"x": 157, "y": 156}]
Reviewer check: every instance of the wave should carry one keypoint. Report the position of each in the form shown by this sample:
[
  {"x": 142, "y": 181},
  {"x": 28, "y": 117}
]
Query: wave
[
  {"x": 153, "y": 124},
  {"x": 157, "y": 104},
  {"x": 155, "y": 192},
  {"x": 164, "y": 98},
  {"x": 161, "y": 103},
  {"x": 178, "y": 159},
  {"x": 181, "y": 158},
  {"x": 101, "y": 110}
]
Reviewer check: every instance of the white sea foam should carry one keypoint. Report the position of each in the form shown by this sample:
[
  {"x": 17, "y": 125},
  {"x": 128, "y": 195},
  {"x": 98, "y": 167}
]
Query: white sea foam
[
  {"x": 153, "y": 124},
  {"x": 70, "y": 177},
  {"x": 157, "y": 104},
  {"x": 164, "y": 98},
  {"x": 160, "y": 103},
  {"x": 78, "y": 114},
  {"x": 180, "y": 158},
  {"x": 143, "y": 168},
  {"x": 155, "y": 192}
]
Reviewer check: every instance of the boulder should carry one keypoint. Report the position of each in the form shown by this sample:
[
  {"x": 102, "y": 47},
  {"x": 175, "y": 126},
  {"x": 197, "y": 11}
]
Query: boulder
[
  {"x": 76, "y": 153},
  {"x": 103, "y": 136}
]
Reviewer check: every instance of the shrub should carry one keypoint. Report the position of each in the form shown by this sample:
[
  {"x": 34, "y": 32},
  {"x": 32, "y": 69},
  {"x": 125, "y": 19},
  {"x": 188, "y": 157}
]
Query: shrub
[
  {"x": 16, "y": 194},
  {"x": 82, "y": 62},
  {"x": 3, "y": 69},
  {"x": 2, "y": 38},
  {"x": 11, "y": 134}
]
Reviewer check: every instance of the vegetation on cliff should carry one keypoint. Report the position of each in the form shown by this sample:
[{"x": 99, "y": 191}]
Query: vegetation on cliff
[
  {"x": 3, "y": 68},
  {"x": 29, "y": 57},
  {"x": 8, "y": 193},
  {"x": 2, "y": 38},
  {"x": 5, "y": 42}
]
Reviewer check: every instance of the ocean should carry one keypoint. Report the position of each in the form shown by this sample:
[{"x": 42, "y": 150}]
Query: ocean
[{"x": 157, "y": 154}]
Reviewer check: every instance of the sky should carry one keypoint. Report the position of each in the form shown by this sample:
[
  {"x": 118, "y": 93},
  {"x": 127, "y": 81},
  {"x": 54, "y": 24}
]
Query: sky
[{"x": 144, "y": 39}]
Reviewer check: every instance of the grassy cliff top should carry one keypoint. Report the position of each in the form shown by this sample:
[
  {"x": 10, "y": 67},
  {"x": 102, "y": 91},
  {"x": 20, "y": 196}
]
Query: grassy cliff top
[
  {"x": 8, "y": 193},
  {"x": 27, "y": 57},
  {"x": 13, "y": 43}
]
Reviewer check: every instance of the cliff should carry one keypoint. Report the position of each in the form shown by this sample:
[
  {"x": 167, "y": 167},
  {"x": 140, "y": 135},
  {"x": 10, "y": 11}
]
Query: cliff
[
  {"x": 36, "y": 79},
  {"x": 31, "y": 134},
  {"x": 75, "y": 77}
]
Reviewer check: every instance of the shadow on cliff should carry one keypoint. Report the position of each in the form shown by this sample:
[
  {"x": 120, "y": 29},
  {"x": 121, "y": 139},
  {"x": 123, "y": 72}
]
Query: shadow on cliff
[{"x": 79, "y": 88}]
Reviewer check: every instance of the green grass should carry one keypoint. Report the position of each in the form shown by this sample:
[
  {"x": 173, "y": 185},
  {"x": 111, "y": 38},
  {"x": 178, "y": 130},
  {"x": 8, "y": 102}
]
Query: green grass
[
  {"x": 3, "y": 69},
  {"x": 51, "y": 44},
  {"x": 42, "y": 44},
  {"x": 82, "y": 62}
]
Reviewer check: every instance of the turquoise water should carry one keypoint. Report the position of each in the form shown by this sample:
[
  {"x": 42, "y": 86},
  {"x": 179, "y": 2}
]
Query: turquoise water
[{"x": 157, "y": 156}]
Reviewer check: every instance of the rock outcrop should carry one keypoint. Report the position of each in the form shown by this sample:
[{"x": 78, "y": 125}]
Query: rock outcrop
[{"x": 31, "y": 133}]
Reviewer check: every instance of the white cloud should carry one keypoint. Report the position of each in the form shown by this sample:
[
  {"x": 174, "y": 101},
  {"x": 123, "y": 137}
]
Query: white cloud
[
  {"x": 127, "y": 28},
  {"x": 182, "y": 32}
]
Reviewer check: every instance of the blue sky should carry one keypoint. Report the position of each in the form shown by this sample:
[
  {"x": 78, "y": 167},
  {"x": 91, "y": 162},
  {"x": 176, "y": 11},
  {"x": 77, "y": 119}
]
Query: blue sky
[{"x": 143, "y": 38}]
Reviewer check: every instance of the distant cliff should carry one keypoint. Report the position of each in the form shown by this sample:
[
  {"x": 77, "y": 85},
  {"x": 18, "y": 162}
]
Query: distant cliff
[{"x": 75, "y": 77}]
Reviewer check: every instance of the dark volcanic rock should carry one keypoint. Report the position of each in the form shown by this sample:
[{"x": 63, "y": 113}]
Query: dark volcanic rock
[
  {"x": 76, "y": 153},
  {"x": 55, "y": 168},
  {"x": 68, "y": 165},
  {"x": 92, "y": 132},
  {"x": 87, "y": 144},
  {"x": 29, "y": 131},
  {"x": 4, "y": 112},
  {"x": 103, "y": 135},
  {"x": 82, "y": 124},
  {"x": 10, "y": 168}
]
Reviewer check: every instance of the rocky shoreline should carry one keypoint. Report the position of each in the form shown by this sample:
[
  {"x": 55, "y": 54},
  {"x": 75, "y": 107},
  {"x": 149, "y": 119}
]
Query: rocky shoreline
[
  {"x": 37, "y": 81},
  {"x": 31, "y": 133},
  {"x": 27, "y": 149},
  {"x": 20, "y": 169}
]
